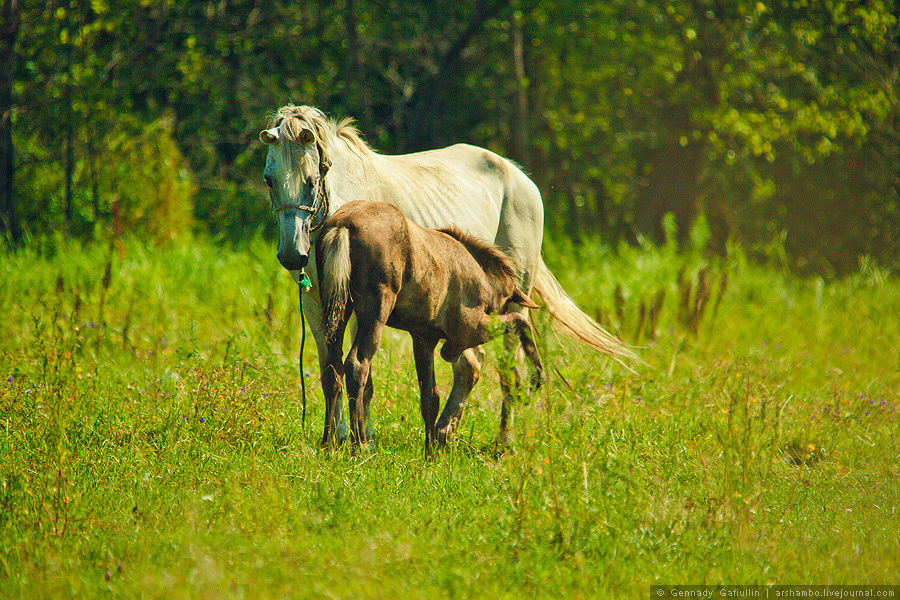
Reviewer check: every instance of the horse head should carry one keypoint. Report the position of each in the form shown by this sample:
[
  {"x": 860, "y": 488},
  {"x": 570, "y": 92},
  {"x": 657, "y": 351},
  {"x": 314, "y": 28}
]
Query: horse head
[{"x": 296, "y": 165}]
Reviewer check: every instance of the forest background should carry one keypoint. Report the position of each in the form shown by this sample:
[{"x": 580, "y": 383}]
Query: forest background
[{"x": 775, "y": 124}]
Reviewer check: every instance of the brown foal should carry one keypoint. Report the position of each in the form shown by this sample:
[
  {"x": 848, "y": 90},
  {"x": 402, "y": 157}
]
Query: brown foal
[{"x": 435, "y": 284}]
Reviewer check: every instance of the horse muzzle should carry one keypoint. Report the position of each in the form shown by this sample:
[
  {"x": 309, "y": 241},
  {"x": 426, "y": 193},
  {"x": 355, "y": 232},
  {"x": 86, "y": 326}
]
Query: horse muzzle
[
  {"x": 293, "y": 240},
  {"x": 291, "y": 259}
]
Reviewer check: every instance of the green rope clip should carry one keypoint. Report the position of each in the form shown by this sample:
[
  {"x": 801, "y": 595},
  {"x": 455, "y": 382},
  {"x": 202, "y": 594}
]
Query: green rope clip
[{"x": 305, "y": 283}]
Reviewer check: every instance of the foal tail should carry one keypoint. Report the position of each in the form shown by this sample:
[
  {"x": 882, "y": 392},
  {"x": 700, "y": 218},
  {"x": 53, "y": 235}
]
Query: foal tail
[
  {"x": 333, "y": 263},
  {"x": 574, "y": 322}
]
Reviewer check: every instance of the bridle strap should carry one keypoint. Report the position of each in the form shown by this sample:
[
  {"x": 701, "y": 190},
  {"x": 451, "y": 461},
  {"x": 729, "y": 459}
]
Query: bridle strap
[{"x": 320, "y": 205}]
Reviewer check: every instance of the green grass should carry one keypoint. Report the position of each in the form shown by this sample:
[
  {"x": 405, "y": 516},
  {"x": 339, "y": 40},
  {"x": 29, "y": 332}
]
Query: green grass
[{"x": 151, "y": 442}]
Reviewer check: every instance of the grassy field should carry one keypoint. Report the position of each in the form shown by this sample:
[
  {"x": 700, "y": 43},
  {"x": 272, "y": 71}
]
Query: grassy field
[{"x": 151, "y": 442}]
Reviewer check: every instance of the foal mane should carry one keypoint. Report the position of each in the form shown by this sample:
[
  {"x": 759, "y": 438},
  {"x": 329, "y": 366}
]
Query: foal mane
[{"x": 496, "y": 265}]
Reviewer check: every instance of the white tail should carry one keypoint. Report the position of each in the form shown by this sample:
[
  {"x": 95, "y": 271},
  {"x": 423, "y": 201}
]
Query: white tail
[
  {"x": 334, "y": 278},
  {"x": 574, "y": 322}
]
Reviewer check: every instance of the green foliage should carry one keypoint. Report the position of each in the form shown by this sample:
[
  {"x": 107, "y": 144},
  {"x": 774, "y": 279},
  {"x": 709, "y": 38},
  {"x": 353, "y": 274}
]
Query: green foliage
[
  {"x": 148, "y": 179},
  {"x": 135, "y": 175},
  {"x": 771, "y": 119},
  {"x": 151, "y": 440}
]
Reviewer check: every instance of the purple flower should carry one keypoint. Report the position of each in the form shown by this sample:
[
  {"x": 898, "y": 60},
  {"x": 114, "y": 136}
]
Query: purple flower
[
  {"x": 264, "y": 396},
  {"x": 243, "y": 390},
  {"x": 540, "y": 405},
  {"x": 184, "y": 417},
  {"x": 609, "y": 387},
  {"x": 40, "y": 407},
  {"x": 202, "y": 419},
  {"x": 639, "y": 399},
  {"x": 10, "y": 378},
  {"x": 306, "y": 374}
]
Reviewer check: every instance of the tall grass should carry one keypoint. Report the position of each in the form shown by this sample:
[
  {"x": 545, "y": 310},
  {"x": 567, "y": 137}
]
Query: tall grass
[{"x": 151, "y": 441}]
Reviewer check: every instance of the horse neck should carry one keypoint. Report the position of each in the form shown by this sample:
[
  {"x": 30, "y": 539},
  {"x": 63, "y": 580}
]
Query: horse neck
[{"x": 351, "y": 176}]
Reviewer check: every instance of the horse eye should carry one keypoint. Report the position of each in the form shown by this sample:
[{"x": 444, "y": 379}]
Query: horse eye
[{"x": 270, "y": 180}]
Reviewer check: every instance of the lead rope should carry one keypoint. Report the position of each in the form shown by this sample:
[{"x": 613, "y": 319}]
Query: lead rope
[{"x": 304, "y": 286}]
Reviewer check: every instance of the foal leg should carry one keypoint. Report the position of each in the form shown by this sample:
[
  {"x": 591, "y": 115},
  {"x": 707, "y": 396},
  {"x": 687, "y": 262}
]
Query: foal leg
[
  {"x": 343, "y": 429},
  {"x": 466, "y": 372},
  {"x": 429, "y": 401},
  {"x": 372, "y": 311}
]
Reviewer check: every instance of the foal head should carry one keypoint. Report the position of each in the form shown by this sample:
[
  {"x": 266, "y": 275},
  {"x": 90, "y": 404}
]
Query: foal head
[{"x": 497, "y": 266}]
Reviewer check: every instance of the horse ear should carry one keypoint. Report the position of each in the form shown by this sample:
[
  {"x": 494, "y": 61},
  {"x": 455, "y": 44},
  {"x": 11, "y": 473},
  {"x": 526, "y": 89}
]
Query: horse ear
[
  {"x": 521, "y": 298},
  {"x": 269, "y": 137}
]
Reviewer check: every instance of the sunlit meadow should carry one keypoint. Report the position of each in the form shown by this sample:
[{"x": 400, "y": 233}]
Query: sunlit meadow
[{"x": 153, "y": 444}]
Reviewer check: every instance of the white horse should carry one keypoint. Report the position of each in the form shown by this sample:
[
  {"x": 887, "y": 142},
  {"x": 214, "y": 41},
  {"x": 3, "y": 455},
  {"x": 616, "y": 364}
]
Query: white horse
[{"x": 314, "y": 165}]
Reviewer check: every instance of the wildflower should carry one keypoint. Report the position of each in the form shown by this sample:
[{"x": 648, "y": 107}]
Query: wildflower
[
  {"x": 184, "y": 417},
  {"x": 243, "y": 390},
  {"x": 264, "y": 396},
  {"x": 540, "y": 405},
  {"x": 10, "y": 378},
  {"x": 639, "y": 399},
  {"x": 40, "y": 407},
  {"x": 201, "y": 419}
]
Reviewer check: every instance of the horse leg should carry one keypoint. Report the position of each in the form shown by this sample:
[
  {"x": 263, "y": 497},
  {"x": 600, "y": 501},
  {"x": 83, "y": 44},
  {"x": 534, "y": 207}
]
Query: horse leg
[
  {"x": 517, "y": 323},
  {"x": 511, "y": 374},
  {"x": 429, "y": 401},
  {"x": 372, "y": 312},
  {"x": 332, "y": 385},
  {"x": 466, "y": 372},
  {"x": 331, "y": 368}
]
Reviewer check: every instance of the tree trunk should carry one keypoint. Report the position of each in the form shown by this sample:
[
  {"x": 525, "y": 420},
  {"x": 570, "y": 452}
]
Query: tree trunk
[
  {"x": 9, "y": 30},
  {"x": 672, "y": 180},
  {"x": 70, "y": 129},
  {"x": 356, "y": 87},
  {"x": 519, "y": 124},
  {"x": 429, "y": 95}
]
